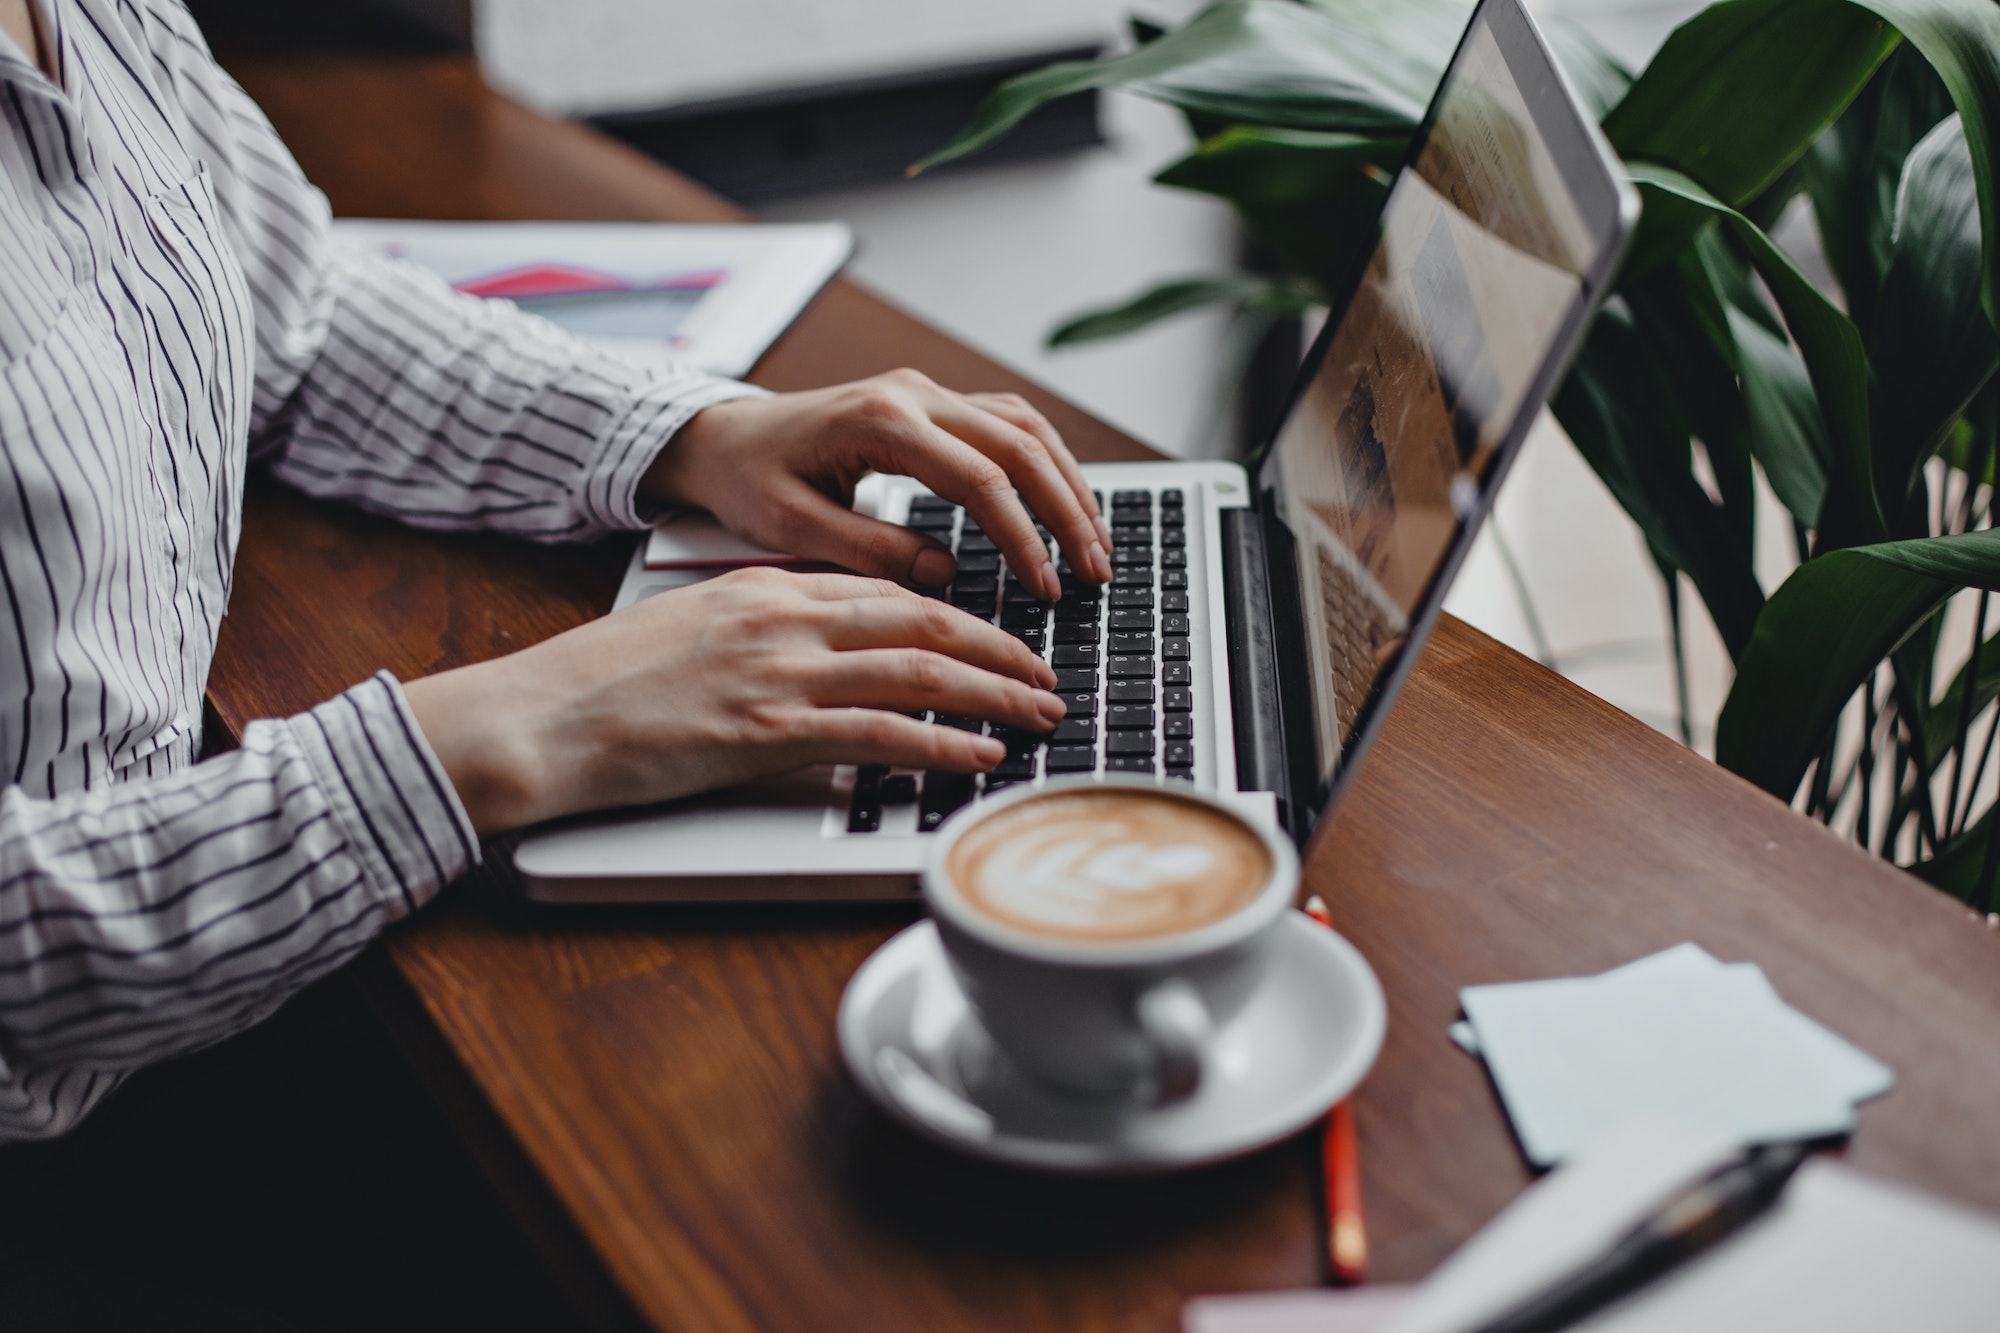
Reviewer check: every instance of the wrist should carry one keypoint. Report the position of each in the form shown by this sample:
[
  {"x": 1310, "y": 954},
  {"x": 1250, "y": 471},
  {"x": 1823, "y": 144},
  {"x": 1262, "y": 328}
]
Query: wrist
[
  {"x": 488, "y": 740},
  {"x": 675, "y": 475}
]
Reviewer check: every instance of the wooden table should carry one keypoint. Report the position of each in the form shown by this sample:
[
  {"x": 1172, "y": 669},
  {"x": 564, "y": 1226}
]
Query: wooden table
[{"x": 660, "y": 1092}]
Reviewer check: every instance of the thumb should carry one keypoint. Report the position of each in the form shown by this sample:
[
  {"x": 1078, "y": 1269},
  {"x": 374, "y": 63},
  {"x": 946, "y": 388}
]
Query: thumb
[{"x": 819, "y": 528}]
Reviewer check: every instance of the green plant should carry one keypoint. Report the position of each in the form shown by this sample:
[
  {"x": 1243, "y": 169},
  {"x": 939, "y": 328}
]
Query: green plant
[{"x": 1872, "y": 414}]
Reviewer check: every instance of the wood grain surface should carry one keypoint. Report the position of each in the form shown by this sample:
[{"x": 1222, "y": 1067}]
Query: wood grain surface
[{"x": 670, "y": 1078}]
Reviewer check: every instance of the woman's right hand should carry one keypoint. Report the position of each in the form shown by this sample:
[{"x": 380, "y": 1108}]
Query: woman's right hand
[{"x": 753, "y": 673}]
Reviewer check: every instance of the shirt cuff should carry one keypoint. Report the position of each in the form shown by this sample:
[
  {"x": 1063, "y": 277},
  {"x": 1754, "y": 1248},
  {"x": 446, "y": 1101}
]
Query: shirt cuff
[
  {"x": 611, "y": 496},
  {"x": 390, "y": 794}
]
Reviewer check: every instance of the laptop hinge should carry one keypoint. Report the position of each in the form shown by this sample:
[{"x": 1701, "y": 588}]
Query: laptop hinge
[{"x": 1253, "y": 660}]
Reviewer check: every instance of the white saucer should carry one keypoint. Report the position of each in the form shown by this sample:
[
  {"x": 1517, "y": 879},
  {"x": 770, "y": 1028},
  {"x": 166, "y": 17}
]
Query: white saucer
[{"x": 1303, "y": 1042}]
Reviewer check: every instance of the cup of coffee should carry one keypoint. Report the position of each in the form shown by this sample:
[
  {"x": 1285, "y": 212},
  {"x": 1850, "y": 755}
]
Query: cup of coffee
[{"x": 1103, "y": 929}]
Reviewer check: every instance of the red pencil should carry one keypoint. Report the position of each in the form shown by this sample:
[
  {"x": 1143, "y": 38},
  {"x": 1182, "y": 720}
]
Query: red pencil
[{"x": 1340, "y": 1161}]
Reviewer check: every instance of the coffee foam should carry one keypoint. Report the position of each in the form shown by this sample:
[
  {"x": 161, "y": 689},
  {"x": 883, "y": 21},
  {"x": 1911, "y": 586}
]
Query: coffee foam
[{"x": 1109, "y": 865}]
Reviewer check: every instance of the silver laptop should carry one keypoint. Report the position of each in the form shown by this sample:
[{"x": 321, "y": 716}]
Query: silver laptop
[{"x": 1263, "y": 617}]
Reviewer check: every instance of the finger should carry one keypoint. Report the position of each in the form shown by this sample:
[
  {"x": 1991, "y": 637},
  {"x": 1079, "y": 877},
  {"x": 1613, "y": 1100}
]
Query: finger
[
  {"x": 1018, "y": 410},
  {"x": 871, "y": 736},
  {"x": 919, "y": 622},
  {"x": 903, "y": 679},
  {"x": 811, "y": 524},
  {"x": 1025, "y": 459}
]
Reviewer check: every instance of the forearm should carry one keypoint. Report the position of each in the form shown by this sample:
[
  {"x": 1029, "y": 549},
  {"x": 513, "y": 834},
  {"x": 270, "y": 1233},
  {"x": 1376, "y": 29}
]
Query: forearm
[{"x": 141, "y": 921}]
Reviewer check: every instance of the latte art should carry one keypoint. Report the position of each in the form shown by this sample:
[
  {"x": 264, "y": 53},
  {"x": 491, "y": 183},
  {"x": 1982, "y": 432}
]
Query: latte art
[{"x": 1109, "y": 865}]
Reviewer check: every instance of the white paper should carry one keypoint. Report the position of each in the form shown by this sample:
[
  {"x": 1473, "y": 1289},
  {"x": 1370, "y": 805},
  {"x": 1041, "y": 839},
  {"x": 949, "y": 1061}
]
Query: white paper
[
  {"x": 1710, "y": 1047},
  {"x": 714, "y": 297},
  {"x": 696, "y": 540},
  {"x": 1315, "y": 1310}
]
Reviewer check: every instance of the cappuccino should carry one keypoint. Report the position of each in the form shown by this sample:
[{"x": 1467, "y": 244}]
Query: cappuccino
[{"x": 1108, "y": 865}]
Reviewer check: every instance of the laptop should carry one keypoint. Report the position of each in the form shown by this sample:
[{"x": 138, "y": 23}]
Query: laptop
[{"x": 1264, "y": 616}]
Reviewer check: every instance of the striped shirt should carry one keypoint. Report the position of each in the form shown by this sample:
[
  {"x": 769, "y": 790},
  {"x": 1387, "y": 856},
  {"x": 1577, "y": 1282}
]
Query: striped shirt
[{"x": 171, "y": 311}]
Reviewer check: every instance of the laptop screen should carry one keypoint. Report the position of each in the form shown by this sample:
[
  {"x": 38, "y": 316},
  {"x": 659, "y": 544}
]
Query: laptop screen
[{"x": 1475, "y": 291}]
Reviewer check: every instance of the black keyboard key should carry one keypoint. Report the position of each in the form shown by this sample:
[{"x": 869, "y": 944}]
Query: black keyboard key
[
  {"x": 1074, "y": 655},
  {"x": 1180, "y": 754},
  {"x": 971, "y": 724},
  {"x": 977, "y": 543},
  {"x": 931, "y": 504},
  {"x": 1129, "y": 742},
  {"x": 1019, "y": 740},
  {"x": 1173, "y": 559},
  {"x": 943, "y": 793},
  {"x": 1128, "y": 717},
  {"x": 1130, "y": 643},
  {"x": 1072, "y": 758},
  {"x": 1177, "y": 673},
  {"x": 1024, "y": 613},
  {"x": 1016, "y": 595},
  {"x": 1076, "y": 631},
  {"x": 1076, "y": 678},
  {"x": 1081, "y": 703},
  {"x": 982, "y": 585},
  {"x": 1129, "y": 763},
  {"x": 1179, "y": 727},
  {"x": 933, "y": 525},
  {"x": 1132, "y": 534},
  {"x": 972, "y": 563},
  {"x": 1014, "y": 768},
  {"x": 1074, "y": 731},
  {"x": 1176, "y": 602},
  {"x": 1075, "y": 612},
  {"x": 1177, "y": 699},
  {"x": 1128, "y": 665},
  {"x": 1172, "y": 498},
  {"x": 1173, "y": 539},
  {"x": 1125, "y": 621},
  {"x": 1181, "y": 775},
  {"x": 1133, "y": 576},
  {"x": 1173, "y": 578},
  {"x": 1031, "y": 635},
  {"x": 899, "y": 789},
  {"x": 1127, "y": 599},
  {"x": 1130, "y": 692},
  {"x": 1132, "y": 498},
  {"x": 865, "y": 818},
  {"x": 1129, "y": 556},
  {"x": 1175, "y": 650},
  {"x": 1170, "y": 624}
]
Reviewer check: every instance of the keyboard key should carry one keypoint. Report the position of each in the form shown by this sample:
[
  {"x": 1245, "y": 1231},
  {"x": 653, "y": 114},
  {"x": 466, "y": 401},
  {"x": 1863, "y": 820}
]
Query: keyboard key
[
  {"x": 1014, "y": 768},
  {"x": 1019, "y": 740},
  {"x": 1074, "y": 731},
  {"x": 1072, "y": 758},
  {"x": 1016, "y": 595},
  {"x": 1128, "y": 763},
  {"x": 1173, "y": 559},
  {"x": 1127, "y": 599},
  {"x": 1178, "y": 727},
  {"x": 865, "y": 818},
  {"x": 1181, "y": 774},
  {"x": 1081, "y": 703},
  {"x": 1172, "y": 498},
  {"x": 1177, "y": 673},
  {"x": 1129, "y": 665},
  {"x": 1175, "y": 650},
  {"x": 1128, "y": 717},
  {"x": 1129, "y": 742},
  {"x": 978, "y": 562},
  {"x": 1174, "y": 602},
  {"x": 933, "y": 525},
  {"x": 977, "y": 543},
  {"x": 1177, "y": 699},
  {"x": 1127, "y": 621},
  {"x": 1172, "y": 539},
  {"x": 1024, "y": 613},
  {"x": 899, "y": 789},
  {"x": 1130, "y": 643},
  {"x": 1173, "y": 578},
  {"x": 984, "y": 585},
  {"x": 1132, "y": 498},
  {"x": 1180, "y": 754},
  {"x": 943, "y": 793},
  {"x": 971, "y": 724},
  {"x": 1074, "y": 655},
  {"x": 1131, "y": 692},
  {"x": 1133, "y": 576},
  {"x": 1076, "y": 678},
  {"x": 1076, "y": 631},
  {"x": 1168, "y": 624},
  {"x": 1071, "y": 611},
  {"x": 1132, "y": 555},
  {"x": 1031, "y": 635},
  {"x": 931, "y": 504},
  {"x": 1132, "y": 534}
]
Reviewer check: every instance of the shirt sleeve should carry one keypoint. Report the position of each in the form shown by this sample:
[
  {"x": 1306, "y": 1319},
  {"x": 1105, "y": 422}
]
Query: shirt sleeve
[
  {"x": 149, "y": 919},
  {"x": 378, "y": 384}
]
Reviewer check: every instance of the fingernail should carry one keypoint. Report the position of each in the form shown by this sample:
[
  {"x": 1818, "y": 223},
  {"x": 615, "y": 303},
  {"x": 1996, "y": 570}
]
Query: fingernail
[
  {"x": 1051, "y": 705},
  {"x": 1050, "y": 583},
  {"x": 932, "y": 568},
  {"x": 1103, "y": 531},
  {"x": 1100, "y": 563},
  {"x": 987, "y": 750}
]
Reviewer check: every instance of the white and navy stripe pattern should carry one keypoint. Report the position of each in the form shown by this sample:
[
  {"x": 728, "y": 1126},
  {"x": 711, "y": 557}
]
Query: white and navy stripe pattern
[{"x": 171, "y": 308}]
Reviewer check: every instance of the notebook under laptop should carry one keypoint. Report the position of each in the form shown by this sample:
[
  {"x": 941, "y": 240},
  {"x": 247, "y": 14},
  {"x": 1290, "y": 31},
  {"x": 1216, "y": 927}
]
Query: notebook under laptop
[{"x": 1263, "y": 617}]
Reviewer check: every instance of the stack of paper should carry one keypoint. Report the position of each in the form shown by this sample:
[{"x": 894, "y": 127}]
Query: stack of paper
[
  {"x": 1677, "y": 1034},
  {"x": 1839, "y": 1253}
]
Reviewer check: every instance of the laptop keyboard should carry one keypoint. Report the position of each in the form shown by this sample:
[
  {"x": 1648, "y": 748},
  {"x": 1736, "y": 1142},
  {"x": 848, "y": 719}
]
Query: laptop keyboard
[{"x": 1122, "y": 656}]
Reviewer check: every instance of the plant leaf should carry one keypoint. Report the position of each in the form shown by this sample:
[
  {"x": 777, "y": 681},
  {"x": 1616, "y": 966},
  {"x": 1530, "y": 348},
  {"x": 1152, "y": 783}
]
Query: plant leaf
[
  {"x": 1309, "y": 197},
  {"x": 1955, "y": 869},
  {"x": 1961, "y": 39},
  {"x": 1826, "y": 338},
  {"x": 1787, "y": 431},
  {"x": 1173, "y": 298},
  {"x": 1932, "y": 347},
  {"x": 1264, "y": 62},
  {"x": 1822, "y": 634},
  {"x": 1982, "y": 673},
  {"x": 1740, "y": 90},
  {"x": 1621, "y": 414}
]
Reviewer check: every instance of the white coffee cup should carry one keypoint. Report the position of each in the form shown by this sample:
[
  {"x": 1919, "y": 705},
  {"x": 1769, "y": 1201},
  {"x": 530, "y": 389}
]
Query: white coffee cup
[{"x": 1110, "y": 1017}]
